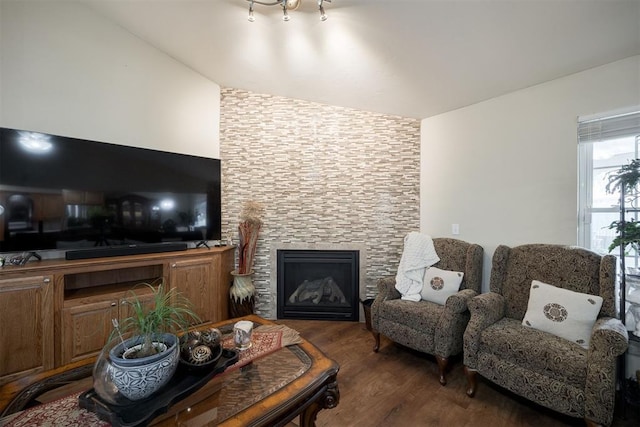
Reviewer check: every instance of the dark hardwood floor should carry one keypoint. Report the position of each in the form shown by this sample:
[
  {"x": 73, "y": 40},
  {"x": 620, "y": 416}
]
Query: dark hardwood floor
[{"x": 399, "y": 387}]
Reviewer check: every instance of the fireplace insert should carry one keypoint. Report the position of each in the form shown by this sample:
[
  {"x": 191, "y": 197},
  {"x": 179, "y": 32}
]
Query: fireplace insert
[{"x": 318, "y": 284}]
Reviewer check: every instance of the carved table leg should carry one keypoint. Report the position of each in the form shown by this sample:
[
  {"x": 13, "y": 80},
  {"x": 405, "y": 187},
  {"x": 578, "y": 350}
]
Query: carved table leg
[
  {"x": 472, "y": 380},
  {"x": 329, "y": 399},
  {"x": 442, "y": 367},
  {"x": 376, "y": 337}
]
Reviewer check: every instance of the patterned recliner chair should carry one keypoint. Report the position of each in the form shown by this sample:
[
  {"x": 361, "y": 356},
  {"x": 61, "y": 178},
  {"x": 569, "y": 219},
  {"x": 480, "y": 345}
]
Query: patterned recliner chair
[
  {"x": 551, "y": 371},
  {"x": 426, "y": 326}
]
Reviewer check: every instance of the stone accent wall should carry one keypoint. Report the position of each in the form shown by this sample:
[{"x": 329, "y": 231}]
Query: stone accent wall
[{"x": 327, "y": 175}]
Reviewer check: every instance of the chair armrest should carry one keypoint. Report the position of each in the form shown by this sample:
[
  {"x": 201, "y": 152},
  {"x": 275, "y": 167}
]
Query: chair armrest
[
  {"x": 387, "y": 289},
  {"x": 609, "y": 338},
  {"x": 452, "y": 323},
  {"x": 486, "y": 309},
  {"x": 458, "y": 302}
]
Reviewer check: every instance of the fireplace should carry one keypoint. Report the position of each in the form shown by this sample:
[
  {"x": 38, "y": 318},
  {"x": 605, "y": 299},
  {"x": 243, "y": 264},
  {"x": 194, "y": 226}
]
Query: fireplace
[{"x": 318, "y": 284}]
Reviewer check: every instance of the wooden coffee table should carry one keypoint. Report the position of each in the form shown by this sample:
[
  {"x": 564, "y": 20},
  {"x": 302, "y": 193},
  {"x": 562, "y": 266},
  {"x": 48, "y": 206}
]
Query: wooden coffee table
[{"x": 298, "y": 380}]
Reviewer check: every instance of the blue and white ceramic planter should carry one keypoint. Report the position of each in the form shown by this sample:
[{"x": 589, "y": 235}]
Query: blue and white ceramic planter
[{"x": 139, "y": 378}]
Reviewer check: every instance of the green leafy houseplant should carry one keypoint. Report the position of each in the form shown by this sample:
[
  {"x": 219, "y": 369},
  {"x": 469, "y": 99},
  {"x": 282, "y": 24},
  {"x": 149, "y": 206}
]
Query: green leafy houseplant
[
  {"x": 627, "y": 235},
  {"x": 625, "y": 180},
  {"x": 170, "y": 312}
]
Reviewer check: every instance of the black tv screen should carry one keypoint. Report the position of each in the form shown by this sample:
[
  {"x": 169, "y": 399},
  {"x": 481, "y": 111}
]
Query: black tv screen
[{"x": 63, "y": 193}]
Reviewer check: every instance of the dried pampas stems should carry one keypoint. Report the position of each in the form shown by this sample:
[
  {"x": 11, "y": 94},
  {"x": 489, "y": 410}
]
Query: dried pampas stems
[
  {"x": 252, "y": 212},
  {"x": 249, "y": 228}
]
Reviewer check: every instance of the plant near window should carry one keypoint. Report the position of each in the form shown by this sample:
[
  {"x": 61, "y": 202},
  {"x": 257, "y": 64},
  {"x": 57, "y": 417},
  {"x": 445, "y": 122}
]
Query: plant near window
[
  {"x": 627, "y": 235},
  {"x": 625, "y": 180}
]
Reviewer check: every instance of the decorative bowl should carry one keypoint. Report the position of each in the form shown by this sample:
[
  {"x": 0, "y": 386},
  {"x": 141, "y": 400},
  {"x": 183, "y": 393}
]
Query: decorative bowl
[
  {"x": 139, "y": 378},
  {"x": 200, "y": 349}
]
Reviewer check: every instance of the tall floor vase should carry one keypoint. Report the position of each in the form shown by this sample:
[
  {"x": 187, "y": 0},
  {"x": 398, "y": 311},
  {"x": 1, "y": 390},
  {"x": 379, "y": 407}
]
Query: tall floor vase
[{"x": 241, "y": 294}]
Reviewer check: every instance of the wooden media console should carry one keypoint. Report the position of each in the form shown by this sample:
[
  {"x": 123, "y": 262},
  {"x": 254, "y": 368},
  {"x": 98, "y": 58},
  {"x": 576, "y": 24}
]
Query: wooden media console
[{"x": 56, "y": 312}]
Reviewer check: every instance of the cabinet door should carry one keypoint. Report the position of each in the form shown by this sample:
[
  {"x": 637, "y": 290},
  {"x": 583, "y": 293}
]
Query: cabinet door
[
  {"x": 26, "y": 335},
  {"x": 193, "y": 278},
  {"x": 86, "y": 328}
]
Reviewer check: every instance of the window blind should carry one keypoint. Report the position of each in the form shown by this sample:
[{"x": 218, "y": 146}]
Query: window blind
[{"x": 617, "y": 126}]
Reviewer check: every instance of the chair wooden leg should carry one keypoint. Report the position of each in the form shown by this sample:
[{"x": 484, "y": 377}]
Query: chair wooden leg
[
  {"x": 591, "y": 423},
  {"x": 442, "y": 367},
  {"x": 472, "y": 380},
  {"x": 376, "y": 337}
]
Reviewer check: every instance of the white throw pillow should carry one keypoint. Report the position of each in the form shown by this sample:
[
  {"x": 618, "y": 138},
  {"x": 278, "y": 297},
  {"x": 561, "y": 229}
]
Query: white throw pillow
[
  {"x": 439, "y": 284},
  {"x": 562, "y": 312}
]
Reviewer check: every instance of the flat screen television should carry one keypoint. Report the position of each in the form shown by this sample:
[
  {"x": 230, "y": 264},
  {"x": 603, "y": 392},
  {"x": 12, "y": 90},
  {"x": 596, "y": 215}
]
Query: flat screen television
[{"x": 61, "y": 193}]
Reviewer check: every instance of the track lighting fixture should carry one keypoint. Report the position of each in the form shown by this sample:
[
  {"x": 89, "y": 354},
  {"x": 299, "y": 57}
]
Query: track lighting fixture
[{"x": 286, "y": 5}]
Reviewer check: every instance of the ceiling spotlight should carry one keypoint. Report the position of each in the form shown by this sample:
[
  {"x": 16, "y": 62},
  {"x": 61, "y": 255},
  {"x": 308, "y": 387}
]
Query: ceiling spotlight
[
  {"x": 323, "y": 15},
  {"x": 251, "y": 17},
  {"x": 286, "y": 5}
]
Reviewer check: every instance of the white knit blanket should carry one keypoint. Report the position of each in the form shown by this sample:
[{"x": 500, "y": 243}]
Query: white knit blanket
[{"x": 418, "y": 254}]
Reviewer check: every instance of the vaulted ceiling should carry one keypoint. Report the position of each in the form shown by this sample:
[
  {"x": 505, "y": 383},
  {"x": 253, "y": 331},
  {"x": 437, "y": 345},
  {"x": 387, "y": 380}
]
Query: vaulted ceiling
[{"x": 413, "y": 58}]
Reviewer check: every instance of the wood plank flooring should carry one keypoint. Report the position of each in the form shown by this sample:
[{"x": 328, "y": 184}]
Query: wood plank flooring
[{"x": 399, "y": 387}]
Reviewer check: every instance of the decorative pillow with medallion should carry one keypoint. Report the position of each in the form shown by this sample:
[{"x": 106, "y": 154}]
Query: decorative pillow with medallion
[
  {"x": 562, "y": 312},
  {"x": 438, "y": 285}
]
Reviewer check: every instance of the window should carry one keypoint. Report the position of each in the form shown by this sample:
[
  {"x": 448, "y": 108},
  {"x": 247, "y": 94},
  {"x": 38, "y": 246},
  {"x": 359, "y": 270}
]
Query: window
[{"x": 605, "y": 144}]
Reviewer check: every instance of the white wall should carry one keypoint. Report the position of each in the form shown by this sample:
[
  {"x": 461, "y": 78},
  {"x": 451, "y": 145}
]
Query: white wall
[
  {"x": 66, "y": 70},
  {"x": 506, "y": 169}
]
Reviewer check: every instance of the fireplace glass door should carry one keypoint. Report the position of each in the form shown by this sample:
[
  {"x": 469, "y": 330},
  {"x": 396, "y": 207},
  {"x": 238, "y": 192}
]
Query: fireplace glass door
[{"x": 318, "y": 284}]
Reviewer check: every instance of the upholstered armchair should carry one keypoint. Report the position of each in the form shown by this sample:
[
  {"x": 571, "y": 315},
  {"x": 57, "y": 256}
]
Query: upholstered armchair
[
  {"x": 427, "y": 326},
  {"x": 555, "y": 372}
]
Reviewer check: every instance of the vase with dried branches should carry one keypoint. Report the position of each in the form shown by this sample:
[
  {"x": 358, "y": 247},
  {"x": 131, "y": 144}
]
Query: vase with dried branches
[{"x": 242, "y": 292}]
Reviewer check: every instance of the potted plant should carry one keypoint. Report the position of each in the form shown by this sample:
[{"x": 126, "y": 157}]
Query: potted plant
[
  {"x": 141, "y": 364},
  {"x": 242, "y": 292}
]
